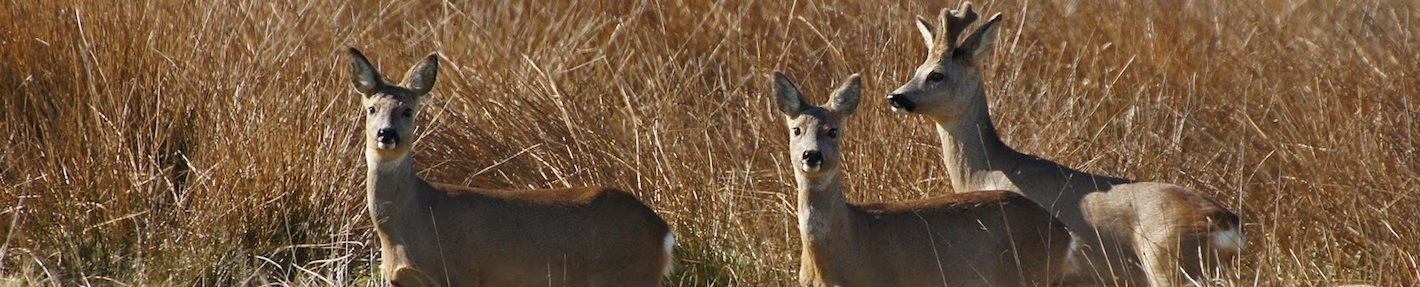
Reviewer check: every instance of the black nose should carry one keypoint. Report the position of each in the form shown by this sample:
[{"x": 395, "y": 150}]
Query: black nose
[
  {"x": 813, "y": 158},
  {"x": 900, "y": 101},
  {"x": 387, "y": 136}
]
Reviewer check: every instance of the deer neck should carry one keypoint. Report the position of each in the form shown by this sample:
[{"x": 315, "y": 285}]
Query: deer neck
[
  {"x": 975, "y": 156},
  {"x": 823, "y": 211},
  {"x": 391, "y": 189}
]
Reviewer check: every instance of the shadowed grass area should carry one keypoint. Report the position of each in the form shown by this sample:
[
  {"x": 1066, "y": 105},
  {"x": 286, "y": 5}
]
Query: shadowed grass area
[{"x": 217, "y": 143}]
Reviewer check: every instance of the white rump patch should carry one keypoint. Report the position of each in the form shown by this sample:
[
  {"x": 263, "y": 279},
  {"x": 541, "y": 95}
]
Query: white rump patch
[
  {"x": 1072, "y": 256},
  {"x": 1228, "y": 239},
  {"x": 670, "y": 256}
]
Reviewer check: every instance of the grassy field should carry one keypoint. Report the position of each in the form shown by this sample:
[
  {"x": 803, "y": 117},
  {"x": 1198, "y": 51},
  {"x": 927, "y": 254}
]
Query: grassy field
[{"x": 217, "y": 142}]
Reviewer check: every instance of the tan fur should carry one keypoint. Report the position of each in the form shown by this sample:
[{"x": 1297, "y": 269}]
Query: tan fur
[
  {"x": 1135, "y": 233},
  {"x": 444, "y": 235},
  {"x": 984, "y": 238}
]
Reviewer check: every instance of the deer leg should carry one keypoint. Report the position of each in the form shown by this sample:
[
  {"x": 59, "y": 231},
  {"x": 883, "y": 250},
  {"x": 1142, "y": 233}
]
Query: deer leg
[
  {"x": 408, "y": 277},
  {"x": 1159, "y": 255}
]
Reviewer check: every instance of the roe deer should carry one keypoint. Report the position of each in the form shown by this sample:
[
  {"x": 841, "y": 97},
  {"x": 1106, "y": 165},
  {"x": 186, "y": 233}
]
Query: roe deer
[
  {"x": 983, "y": 238},
  {"x": 435, "y": 234},
  {"x": 1136, "y": 232}
]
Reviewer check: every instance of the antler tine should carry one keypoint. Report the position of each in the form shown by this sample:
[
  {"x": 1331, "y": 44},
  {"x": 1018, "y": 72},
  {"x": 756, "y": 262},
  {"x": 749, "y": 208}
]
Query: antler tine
[{"x": 954, "y": 21}]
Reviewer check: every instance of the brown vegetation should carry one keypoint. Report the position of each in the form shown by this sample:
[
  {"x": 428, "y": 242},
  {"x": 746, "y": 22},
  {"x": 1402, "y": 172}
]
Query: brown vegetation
[{"x": 189, "y": 143}]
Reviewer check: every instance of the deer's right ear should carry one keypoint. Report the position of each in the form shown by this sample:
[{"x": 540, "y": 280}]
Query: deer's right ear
[
  {"x": 929, "y": 32},
  {"x": 363, "y": 74},
  {"x": 790, "y": 101}
]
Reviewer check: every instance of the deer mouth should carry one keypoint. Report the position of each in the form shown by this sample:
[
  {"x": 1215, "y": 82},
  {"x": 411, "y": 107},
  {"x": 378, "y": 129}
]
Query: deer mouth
[
  {"x": 812, "y": 167},
  {"x": 811, "y": 162},
  {"x": 387, "y": 139},
  {"x": 901, "y": 104},
  {"x": 387, "y": 142}
]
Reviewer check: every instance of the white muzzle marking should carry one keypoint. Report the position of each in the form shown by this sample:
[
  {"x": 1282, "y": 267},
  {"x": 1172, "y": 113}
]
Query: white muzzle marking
[{"x": 810, "y": 168}]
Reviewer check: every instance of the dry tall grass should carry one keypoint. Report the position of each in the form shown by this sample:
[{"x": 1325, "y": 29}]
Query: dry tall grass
[{"x": 216, "y": 143}]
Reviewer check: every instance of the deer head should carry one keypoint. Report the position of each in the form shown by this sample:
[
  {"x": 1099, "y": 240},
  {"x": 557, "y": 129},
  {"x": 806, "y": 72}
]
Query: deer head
[
  {"x": 947, "y": 86},
  {"x": 815, "y": 131},
  {"x": 390, "y": 109}
]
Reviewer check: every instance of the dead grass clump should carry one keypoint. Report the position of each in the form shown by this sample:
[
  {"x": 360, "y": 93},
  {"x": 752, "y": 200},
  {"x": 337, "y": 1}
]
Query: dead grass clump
[{"x": 217, "y": 143}]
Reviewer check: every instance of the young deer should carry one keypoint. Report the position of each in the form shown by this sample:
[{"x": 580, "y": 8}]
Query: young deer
[
  {"x": 983, "y": 238},
  {"x": 446, "y": 235},
  {"x": 1137, "y": 232}
]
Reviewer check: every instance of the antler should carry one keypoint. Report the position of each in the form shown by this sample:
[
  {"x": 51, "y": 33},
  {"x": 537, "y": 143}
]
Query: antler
[{"x": 954, "y": 21}]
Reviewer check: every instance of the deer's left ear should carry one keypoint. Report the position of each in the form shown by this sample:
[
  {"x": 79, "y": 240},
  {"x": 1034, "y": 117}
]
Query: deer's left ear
[
  {"x": 845, "y": 99},
  {"x": 979, "y": 44},
  {"x": 420, "y": 78},
  {"x": 928, "y": 31}
]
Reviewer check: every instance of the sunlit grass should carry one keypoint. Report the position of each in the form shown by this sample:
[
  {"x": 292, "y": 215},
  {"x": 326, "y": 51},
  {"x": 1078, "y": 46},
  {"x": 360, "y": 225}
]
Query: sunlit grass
[{"x": 216, "y": 143}]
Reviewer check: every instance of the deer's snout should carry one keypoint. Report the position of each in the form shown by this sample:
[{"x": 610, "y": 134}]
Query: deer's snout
[
  {"x": 388, "y": 138},
  {"x": 813, "y": 160},
  {"x": 900, "y": 103}
]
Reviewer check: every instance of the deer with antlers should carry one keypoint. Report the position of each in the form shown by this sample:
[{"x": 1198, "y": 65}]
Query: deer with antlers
[
  {"x": 1133, "y": 232},
  {"x": 981, "y": 238}
]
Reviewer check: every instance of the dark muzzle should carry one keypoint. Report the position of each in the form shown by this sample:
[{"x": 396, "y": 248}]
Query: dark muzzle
[
  {"x": 900, "y": 101},
  {"x": 813, "y": 159},
  {"x": 387, "y": 136}
]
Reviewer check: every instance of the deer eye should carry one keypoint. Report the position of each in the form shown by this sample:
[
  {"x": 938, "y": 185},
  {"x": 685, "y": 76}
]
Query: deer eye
[
  {"x": 371, "y": 109},
  {"x": 408, "y": 113},
  {"x": 935, "y": 77},
  {"x": 797, "y": 132},
  {"x": 833, "y": 133}
]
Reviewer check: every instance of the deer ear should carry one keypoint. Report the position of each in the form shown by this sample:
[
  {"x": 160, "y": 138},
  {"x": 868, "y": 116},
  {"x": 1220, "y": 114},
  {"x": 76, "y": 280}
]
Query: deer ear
[
  {"x": 789, "y": 99},
  {"x": 363, "y": 74},
  {"x": 929, "y": 32},
  {"x": 420, "y": 78},
  {"x": 845, "y": 99},
  {"x": 979, "y": 44}
]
